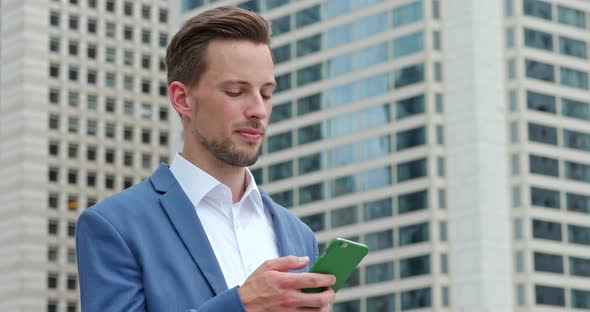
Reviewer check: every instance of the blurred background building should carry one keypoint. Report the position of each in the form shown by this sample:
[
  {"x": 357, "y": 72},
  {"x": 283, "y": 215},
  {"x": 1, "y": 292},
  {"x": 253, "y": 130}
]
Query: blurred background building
[
  {"x": 451, "y": 136},
  {"x": 83, "y": 114}
]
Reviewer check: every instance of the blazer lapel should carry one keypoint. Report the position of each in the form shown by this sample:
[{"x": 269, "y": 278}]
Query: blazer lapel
[
  {"x": 183, "y": 216},
  {"x": 281, "y": 226}
]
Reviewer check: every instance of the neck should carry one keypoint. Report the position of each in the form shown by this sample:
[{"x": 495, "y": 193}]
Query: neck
[{"x": 231, "y": 176}]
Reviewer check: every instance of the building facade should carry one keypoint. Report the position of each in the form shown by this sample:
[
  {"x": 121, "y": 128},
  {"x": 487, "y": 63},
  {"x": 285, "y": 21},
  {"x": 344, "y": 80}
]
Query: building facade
[
  {"x": 83, "y": 114},
  {"x": 451, "y": 137}
]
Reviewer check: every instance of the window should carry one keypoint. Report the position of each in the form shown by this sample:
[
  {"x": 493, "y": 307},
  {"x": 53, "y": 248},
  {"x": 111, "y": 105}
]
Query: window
[
  {"x": 310, "y": 163},
  {"x": 128, "y": 159},
  {"x": 571, "y": 17},
  {"x": 379, "y": 272},
  {"x": 54, "y": 43},
  {"x": 538, "y": 39},
  {"x": 91, "y": 179},
  {"x": 271, "y": 4},
  {"x": 415, "y": 299},
  {"x": 372, "y": 55},
  {"x": 311, "y": 193},
  {"x": 146, "y": 136},
  {"x": 52, "y": 253},
  {"x": 73, "y": 48},
  {"x": 128, "y": 58},
  {"x": 109, "y": 181},
  {"x": 548, "y": 295},
  {"x": 413, "y": 201},
  {"x": 52, "y": 280},
  {"x": 542, "y": 134},
  {"x": 550, "y": 263},
  {"x": 146, "y": 86},
  {"x": 546, "y": 230},
  {"x": 572, "y": 47},
  {"x": 310, "y": 134},
  {"x": 414, "y": 266},
  {"x": 163, "y": 15},
  {"x": 379, "y": 240},
  {"x": 110, "y": 30},
  {"x": 545, "y": 197},
  {"x": 309, "y": 74},
  {"x": 308, "y": 45},
  {"x": 409, "y": 75},
  {"x": 540, "y": 71},
  {"x": 347, "y": 306},
  {"x": 284, "y": 198},
  {"x": 163, "y": 138},
  {"x": 579, "y": 266},
  {"x": 378, "y": 209},
  {"x": 282, "y": 53},
  {"x": 577, "y": 171},
  {"x": 110, "y": 54},
  {"x": 577, "y": 202},
  {"x": 110, "y": 6},
  {"x": 374, "y": 85},
  {"x": 110, "y": 81},
  {"x": 541, "y": 102},
  {"x": 375, "y": 178},
  {"x": 280, "y": 171},
  {"x": 576, "y": 140},
  {"x": 307, "y": 16},
  {"x": 407, "y": 14},
  {"x": 91, "y": 127},
  {"x": 145, "y": 36},
  {"x": 372, "y": 25},
  {"x": 163, "y": 40},
  {"x": 410, "y": 106},
  {"x": 411, "y": 170},
  {"x": 54, "y": 70},
  {"x": 575, "y": 109},
  {"x": 72, "y": 306},
  {"x": 280, "y": 141},
  {"x": 91, "y": 51},
  {"x": 128, "y": 8},
  {"x": 573, "y": 78},
  {"x": 578, "y": 234},
  {"x": 408, "y": 44},
  {"x": 73, "y": 22},
  {"x": 537, "y": 8},
  {"x": 283, "y": 82},
  {"x": 281, "y": 25},
  {"x": 543, "y": 165},
  {"x": 343, "y": 216},
  {"x": 146, "y": 11},
  {"x": 580, "y": 299},
  {"x": 413, "y": 234},
  {"x": 128, "y": 33},
  {"x": 343, "y": 185},
  {"x": 381, "y": 303},
  {"x": 71, "y": 229},
  {"x": 91, "y": 26},
  {"x": 339, "y": 35},
  {"x": 52, "y": 227},
  {"x": 91, "y": 153},
  {"x": 315, "y": 222},
  {"x": 410, "y": 138},
  {"x": 375, "y": 147},
  {"x": 54, "y": 19}
]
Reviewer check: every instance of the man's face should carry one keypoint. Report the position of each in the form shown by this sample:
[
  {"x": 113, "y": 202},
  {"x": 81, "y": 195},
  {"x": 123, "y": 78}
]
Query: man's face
[{"x": 232, "y": 101}]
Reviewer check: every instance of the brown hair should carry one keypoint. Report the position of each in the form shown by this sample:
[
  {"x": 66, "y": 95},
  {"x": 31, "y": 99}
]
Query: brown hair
[{"x": 186, "y": 54}]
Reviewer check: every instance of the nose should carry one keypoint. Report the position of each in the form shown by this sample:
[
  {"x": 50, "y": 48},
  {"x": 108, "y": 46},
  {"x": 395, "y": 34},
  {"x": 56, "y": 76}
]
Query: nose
[{"x": 257, "y": 108}]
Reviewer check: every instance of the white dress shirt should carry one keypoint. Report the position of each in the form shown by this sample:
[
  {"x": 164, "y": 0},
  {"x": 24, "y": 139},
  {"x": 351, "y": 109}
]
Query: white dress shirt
[{"x": 242, "y": 234}]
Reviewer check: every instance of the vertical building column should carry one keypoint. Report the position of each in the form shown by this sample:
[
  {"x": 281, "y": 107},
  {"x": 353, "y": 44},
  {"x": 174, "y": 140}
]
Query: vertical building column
[
  {"x": 479, "y": 220},
  {"x": 23, "y": 154}
]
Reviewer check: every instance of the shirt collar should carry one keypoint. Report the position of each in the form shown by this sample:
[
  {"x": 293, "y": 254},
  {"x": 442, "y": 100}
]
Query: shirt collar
[{"x": 197, "y": 184}]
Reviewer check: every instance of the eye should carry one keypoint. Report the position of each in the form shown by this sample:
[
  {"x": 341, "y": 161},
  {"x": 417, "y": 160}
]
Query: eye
[
  {"x": 233, "y": 93},
  {"x": 266, "y": 96}
]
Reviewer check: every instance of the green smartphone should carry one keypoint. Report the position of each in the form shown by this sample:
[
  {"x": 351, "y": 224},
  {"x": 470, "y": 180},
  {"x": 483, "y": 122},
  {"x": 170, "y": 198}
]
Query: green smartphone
[{"x": 340, "y": 259}]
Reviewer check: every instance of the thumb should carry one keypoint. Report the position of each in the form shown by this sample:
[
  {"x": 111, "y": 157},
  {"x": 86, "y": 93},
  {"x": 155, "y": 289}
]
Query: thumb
[{"x": 286, "y": 263}]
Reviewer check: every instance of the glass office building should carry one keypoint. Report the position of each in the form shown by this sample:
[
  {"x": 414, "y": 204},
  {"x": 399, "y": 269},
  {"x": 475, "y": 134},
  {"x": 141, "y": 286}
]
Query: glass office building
[{"x": 451, "y": 137}]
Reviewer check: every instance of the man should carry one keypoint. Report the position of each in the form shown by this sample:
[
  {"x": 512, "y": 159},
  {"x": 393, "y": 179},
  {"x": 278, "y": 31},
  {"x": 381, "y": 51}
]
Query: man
[{"x": 199, "y": 235}]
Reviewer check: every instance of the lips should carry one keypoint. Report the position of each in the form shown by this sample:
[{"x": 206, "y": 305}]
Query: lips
[{"x": 252, "y": 135}]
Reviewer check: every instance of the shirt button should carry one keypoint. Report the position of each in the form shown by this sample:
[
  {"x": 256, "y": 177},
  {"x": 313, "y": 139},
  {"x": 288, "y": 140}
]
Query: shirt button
[{"x": 250, "y": 267}]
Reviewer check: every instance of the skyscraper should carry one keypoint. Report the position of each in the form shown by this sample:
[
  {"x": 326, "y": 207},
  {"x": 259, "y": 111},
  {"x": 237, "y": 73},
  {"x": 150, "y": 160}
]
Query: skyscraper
[
  {"x": 83, "y": 113},
  {"x": 450, "y": 136}
]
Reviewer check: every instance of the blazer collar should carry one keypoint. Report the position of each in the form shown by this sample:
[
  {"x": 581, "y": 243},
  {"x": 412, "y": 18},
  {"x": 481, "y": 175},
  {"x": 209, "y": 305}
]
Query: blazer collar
[{"x": 180, "y": 210}]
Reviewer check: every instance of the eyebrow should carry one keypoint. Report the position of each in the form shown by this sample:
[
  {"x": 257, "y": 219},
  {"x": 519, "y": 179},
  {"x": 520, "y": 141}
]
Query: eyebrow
[{"x": 244, "y": 82}]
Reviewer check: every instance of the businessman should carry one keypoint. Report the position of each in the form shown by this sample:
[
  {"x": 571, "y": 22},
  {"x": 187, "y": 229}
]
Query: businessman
[{"x": 199, "y": 235}]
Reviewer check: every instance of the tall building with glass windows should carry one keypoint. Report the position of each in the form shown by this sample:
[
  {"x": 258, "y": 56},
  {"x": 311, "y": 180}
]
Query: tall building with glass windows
[
  {"x": 450, "y": 136},
  {"x": 83, "y": 114}
]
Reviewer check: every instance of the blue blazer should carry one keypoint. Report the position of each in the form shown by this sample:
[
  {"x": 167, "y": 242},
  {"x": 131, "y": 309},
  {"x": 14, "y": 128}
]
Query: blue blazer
[{"x": 144, "y": 249}]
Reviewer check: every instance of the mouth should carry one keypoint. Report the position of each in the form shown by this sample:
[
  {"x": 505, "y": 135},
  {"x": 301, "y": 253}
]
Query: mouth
[{"x": 250, "y": 135}]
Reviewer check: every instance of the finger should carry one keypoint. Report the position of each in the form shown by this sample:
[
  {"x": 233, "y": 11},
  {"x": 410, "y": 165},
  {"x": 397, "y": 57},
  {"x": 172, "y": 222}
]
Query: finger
[
  {"x": 307, "y": 280},
  {"x": 317, "y": 300},
  {"x": 285, "y": 263}
]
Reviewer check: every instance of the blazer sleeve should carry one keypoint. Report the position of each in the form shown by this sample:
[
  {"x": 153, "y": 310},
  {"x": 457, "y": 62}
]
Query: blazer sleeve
[{"x": 110, "y": 276}]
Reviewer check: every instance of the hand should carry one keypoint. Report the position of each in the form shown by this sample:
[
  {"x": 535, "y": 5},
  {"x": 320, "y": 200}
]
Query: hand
[{"x": 270, "y": 288}]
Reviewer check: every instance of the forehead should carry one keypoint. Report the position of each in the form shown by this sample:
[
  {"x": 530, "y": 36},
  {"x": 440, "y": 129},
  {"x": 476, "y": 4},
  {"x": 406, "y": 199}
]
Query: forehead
[{"x": 239, "y": 59}]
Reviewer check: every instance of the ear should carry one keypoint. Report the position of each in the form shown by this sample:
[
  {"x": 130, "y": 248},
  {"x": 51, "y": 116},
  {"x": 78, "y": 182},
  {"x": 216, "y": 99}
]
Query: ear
[{"x": 179, "y": 93}]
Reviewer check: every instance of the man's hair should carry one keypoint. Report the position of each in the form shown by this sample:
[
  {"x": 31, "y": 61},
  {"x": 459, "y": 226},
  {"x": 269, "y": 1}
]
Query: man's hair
[{"x": 186, "y": 55}]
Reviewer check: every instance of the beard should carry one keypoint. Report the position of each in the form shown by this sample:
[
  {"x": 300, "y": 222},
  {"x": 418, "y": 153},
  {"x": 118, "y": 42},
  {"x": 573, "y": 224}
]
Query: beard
[{"x": 226, "y": 151}]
